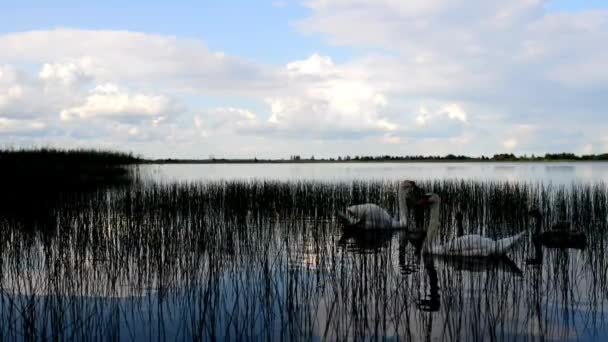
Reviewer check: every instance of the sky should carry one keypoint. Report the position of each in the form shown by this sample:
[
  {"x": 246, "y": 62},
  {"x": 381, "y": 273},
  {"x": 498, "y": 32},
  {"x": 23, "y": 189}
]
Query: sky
[{"x": 323, "y": 78}]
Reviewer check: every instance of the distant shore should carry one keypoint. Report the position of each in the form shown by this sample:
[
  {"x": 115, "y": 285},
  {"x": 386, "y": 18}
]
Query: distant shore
[
  {"x": 450, "y": 158},
  {"x": 65, "y": 159},
  {"x": 273, "y": 161}
]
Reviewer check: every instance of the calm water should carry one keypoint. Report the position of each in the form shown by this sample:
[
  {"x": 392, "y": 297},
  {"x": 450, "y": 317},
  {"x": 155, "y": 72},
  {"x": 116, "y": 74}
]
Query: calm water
[
  {"x": 558, "y": 173},
  {"x": 267, "y": 260}
]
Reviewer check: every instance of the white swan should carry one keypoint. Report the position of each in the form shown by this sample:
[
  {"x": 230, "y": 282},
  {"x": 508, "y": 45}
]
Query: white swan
[
  {"x": 372, "y": 216},
  {"x": 471, "y": 245}
]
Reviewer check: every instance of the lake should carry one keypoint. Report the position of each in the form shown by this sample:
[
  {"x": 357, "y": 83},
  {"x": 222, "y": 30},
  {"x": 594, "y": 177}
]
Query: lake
[
  {"x": 256, "y": 252},
  {"x": 554, "y": 172}
]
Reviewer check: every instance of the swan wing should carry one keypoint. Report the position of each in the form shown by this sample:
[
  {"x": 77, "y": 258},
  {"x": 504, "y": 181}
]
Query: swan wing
[
  {"x": 370, "y": 215},
  {"x": 506, "y": 244},
  {"x": 477, "y": 245},
  {"x": 348, "y": 220},
  {"x": 467, "y": 245}
]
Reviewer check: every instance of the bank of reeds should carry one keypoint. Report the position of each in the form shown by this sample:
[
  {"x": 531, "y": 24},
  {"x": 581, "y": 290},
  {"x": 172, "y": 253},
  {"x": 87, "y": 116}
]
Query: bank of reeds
[
  {"x": 34, "y": 181},
  {"x": 250, "y": 260}
]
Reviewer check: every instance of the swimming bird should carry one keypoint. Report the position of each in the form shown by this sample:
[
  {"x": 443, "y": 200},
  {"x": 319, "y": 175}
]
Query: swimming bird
[
  {"x": 372, "y": 216},
  {"x": 467, "y": 245},
  {"x": 559, "y": 236}
]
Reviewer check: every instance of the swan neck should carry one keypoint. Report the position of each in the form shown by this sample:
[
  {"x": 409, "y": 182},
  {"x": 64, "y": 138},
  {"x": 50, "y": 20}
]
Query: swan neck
[
  {"x": 431, "y": 233},
  {"x": 403, "y": 210}
]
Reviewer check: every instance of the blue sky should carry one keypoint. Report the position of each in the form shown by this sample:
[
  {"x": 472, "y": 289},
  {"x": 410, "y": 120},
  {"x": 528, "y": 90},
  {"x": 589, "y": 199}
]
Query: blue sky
[
  {"x": 257, "y": 30},
  {"x": 323, "y": 77}
]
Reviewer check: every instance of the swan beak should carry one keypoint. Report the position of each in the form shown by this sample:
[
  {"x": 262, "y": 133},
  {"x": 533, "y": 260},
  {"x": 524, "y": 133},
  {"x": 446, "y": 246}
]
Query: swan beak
[{"x": 424, "y": 200}]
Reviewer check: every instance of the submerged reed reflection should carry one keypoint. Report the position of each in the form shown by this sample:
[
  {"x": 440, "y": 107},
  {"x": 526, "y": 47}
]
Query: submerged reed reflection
[{"x": 267, "y": 260}]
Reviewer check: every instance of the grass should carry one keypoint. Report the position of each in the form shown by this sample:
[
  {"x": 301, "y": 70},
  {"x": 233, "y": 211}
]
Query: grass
[{"x": 250, "y": 260}]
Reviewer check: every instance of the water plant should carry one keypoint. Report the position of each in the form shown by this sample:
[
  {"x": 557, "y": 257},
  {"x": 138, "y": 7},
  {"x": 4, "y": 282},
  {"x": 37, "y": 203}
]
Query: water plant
[{"x": 250, "y": 260}]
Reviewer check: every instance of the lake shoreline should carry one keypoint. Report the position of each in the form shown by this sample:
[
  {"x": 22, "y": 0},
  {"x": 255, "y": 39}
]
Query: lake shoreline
[{"x": 271, "y": 161}]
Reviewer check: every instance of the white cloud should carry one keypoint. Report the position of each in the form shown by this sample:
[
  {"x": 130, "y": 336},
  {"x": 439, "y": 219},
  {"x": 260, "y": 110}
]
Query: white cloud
[
  {"x": 138, "y": 59},
  {"x": 455, "y": 112},
  {"x": 510, "y": 143},
  {"x": 472, "y": 76},
  {"x": 390, "y": 139},
  {"x": 504, "y": 51},
  {"x": 325, "y": 99},
  {"x": 68, "y": 73},
  {"x": 452, "y": 111},
  {"x": 12, "y": 126},
  {"x": 109, "y": 101},
  {"x": 314, "y": 65},
  {"x": 12, "y": 90},
  {"x": 24, "y": 96},
  {"x": 235, "y": 118}
]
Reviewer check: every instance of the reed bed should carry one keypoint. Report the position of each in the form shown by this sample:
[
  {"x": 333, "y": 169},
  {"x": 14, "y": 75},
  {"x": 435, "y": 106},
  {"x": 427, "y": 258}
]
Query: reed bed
[{"x": 251, "y": 260}]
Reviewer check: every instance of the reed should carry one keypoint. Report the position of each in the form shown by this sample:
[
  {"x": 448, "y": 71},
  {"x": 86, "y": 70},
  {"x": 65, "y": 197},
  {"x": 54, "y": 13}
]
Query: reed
[{"x": 250, "y": 260}]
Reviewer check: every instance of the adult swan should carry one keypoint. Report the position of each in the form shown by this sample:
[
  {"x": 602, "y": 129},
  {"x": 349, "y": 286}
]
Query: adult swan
[
  {"x": 372, "y": 216},
  {"x": 467, "y": 245}
]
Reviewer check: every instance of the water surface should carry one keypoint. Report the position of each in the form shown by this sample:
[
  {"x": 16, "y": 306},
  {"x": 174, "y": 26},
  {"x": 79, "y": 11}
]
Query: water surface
[
  {"x": 547, "y": 172},
  {"x": 267, "y": 259}
]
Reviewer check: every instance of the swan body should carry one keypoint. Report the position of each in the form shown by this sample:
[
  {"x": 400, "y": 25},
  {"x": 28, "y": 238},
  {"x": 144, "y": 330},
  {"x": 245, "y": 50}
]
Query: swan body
[
  {"x": 559, "y": 236},
  {"x": 476, "y": 245},
  {"x": 372, "y": 216},
  {"x": 471, "y": 245},
  {"x": 480, "y": 265}
]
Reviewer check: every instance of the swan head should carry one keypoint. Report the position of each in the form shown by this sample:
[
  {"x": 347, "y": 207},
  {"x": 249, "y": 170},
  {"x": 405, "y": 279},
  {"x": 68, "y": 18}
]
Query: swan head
[
  {"x": 409, "y": 191},
  {"x": 430, "y": 198},
  {"x": 407, "y": 186}
]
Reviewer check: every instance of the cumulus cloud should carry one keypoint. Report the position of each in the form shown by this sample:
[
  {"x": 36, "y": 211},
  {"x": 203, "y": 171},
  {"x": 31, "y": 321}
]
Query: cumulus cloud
[
  {"x": 423, "y": 77},
  {"x": 230, "y": 118},
  {"x": 325, "y": 99},
  {"x": 68, "y": 73},
  {"x": 452, "y": 111},
  {"x": 17, "y": 93},
  {"x": 109, "y": 101},
  {"x": 315, "y": 65},
  {"x": 134, "y": 57},
  {"x": 510, "y": 52},
  {"x": 13, "y": 126}
]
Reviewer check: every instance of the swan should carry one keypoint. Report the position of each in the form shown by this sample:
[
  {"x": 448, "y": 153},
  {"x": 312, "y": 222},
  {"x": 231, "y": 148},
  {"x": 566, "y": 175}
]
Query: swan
[
  {"x": 372, "y": 216},
  {"x": 471, "y": 245},
  {"x": 560, "y": 235}
]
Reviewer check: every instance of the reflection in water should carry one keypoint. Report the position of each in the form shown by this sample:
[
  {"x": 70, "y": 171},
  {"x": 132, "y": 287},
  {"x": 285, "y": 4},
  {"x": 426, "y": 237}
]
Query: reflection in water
[
  {"x": 366, "y": 241},
  {"x": 251, "y": 261},
  {"x": 481, "y": 264}
]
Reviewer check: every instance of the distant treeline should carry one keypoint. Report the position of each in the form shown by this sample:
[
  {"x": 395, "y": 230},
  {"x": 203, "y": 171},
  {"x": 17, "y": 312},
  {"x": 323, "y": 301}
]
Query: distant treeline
[
  {"x": 49, "y": 157},
  {"x": 388, "y": 158}
]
